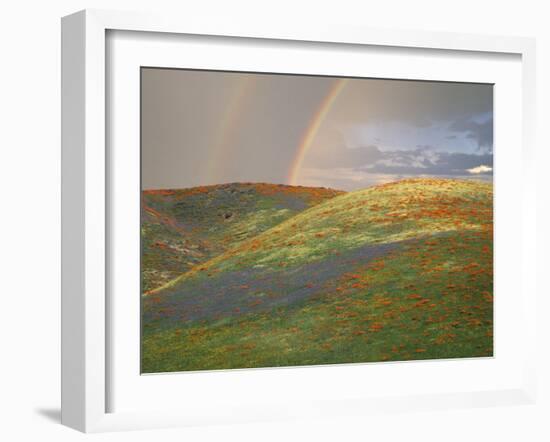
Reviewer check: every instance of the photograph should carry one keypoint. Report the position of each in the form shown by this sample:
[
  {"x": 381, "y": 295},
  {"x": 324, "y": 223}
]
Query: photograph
[{"x": 303, "y": 220}]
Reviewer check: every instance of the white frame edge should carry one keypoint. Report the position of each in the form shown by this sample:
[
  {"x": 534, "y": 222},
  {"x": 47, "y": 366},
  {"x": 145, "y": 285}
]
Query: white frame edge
[
  {"x": 84, "y": 382},
  {"x": 83, "y": 222}
]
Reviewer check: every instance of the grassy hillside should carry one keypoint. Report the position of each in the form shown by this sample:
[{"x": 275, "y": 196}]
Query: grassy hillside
[
  {"x": 182, "y": 228},
  {"x": 394, "y": 272}
]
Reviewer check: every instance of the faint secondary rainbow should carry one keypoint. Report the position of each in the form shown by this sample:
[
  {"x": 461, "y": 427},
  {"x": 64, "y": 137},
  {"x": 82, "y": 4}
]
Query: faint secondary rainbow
[
  {"x": 229, "y": 123},
  {"x": 313, "y": 128}
]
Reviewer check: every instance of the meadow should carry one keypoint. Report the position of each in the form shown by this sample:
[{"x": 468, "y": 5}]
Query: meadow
[{"x": 261, "y": 275}]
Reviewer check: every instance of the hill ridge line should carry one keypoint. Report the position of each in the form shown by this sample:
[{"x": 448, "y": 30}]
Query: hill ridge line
[{"x": 304, "y": 214}]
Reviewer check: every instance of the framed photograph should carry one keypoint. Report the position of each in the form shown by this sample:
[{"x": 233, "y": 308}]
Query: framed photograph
[{"x": 269, "y": 223}]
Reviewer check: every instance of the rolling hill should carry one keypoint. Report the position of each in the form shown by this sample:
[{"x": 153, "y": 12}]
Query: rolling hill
[
  {"x": 394, "y": 272},
  {"x": 182, "y": 228}
]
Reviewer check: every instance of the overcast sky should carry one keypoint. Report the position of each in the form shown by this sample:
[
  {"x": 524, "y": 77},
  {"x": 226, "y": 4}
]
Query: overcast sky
[{"x": 203, "y": 128}]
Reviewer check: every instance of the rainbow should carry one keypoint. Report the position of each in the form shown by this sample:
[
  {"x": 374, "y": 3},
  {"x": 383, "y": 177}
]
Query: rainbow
[
  {"x": 227, "y": 127},
  {"x": 313, "y": 127}
]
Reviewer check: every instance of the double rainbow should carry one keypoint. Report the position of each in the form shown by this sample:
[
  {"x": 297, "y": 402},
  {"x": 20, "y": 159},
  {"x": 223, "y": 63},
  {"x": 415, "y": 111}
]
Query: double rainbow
[{"x": 233, "y": 113}]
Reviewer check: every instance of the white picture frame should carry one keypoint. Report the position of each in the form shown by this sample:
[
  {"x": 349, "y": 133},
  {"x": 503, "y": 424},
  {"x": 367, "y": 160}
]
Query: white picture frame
[{"x": 85, "y": 208}]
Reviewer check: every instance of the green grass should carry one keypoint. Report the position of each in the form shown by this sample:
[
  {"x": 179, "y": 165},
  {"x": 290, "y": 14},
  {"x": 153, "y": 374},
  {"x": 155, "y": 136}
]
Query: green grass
[
  {"x": 382, "y": 214},
  {"x": 429, "y": 298},
  {"x": 185, "y": 227}
]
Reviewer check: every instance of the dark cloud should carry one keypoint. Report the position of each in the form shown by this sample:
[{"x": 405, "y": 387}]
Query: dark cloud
[
  {"x": 482, "y": 133},
  {"x": 418, "y": 103},
  {"x": 424, "y": 161}
]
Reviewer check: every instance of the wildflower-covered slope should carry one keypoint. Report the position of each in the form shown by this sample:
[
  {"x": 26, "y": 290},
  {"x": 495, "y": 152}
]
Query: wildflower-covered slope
[
  {"x": 398, "y": 271},
  {"x": 182, "y": 228}
]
